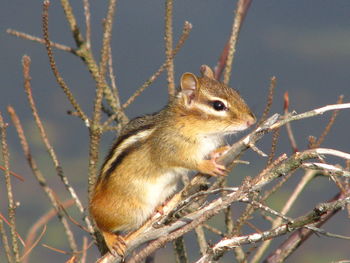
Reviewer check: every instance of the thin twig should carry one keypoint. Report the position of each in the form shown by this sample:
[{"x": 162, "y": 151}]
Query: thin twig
[
  {"x": 35, "y": 243},
  {"x": 120, "y": 115},
  {"x": 61, "y": 251},
  {"x": 311, "y": 113},
  {"x": 41, "y": 179},
  {"x": 84, "y": 250},
  {"x": 169, "y": 45},
  {"x": 43, "y": 220},
  {"x": 268, "y": 193},
  {"x": 244, "y": 217},
  {"x": 11, "y": 202},
  {"x": 72, "y": 220},
  {"x": 39, "y": 40},
  {"x": 59, "y": 79},
  {"x": 112, "y": 78},
  {"x": 269, "y": 102},
  {"x": 201, "y": 240},
  {"x": 27, "y": 87},
  {"x": 324, "y": 168},
  {"x": 288, "y": 125},
  {"x": 185, "y": 33},
  {"x": 86, "y": 55},
  {"x": 312, "y": 217},
  {"x": 220, "y": 65},
  {"x": 227, "y": 212},
  {"x": 180, "y": 250},
  {"x": 267, "y": 209},
  {"x": 329, "y": 125},
  {"x": 87, "y": 15},
  {"x": 297, "y": 238},
  {"x": 107, "y": 35},
  {"x": 241, "y": 11},
  {"x": 57, "y": 250},
  {"x": 5, "y": 242},
  {"x": 3, "y": 218},
  {"x": 309, "y": 175},
  {"x": 95, "y": 137},
  {"x": 214, "y": 230},
  {"x": 19, "y": 177},
  {"x": 275, "y": 137},
  {"x": 101, "y": 89},
  {"x": 68, "y": 11},
  {"x": 326, "y": 233}
]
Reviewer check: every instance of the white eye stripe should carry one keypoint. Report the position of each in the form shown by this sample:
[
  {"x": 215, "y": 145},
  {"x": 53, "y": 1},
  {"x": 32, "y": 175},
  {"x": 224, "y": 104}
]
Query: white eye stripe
[
  {"x": 212, "y": 98},
  {"x": 210, "y": 110}
]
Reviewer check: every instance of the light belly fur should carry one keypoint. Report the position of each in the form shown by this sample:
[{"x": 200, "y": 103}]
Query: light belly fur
[{"x": 156, "y": 192}]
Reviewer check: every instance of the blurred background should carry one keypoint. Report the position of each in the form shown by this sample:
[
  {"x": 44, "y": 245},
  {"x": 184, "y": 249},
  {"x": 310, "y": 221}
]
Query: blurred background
[{"x": 305, "y": 44}]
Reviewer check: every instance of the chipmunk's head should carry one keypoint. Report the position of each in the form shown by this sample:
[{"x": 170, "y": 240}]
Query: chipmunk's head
[{"x": 217, "y": 108}]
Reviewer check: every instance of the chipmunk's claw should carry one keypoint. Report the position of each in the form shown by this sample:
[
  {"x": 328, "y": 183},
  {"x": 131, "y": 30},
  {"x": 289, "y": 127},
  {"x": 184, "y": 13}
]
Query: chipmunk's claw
[{"x": 116, "y": 244}]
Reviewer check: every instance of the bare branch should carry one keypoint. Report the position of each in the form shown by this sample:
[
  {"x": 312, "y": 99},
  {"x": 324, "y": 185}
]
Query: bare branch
[
  {"x": 241, "y": 11},
  {"x": 107, "y": 35},
  {"x": 19, "y": 177},
  {"x": 275, "y": 137},
  {"x": 287, "y": 206},
  {"x": 201, "y": 240},
  {"x": 121, "y": 115},
  {"x": 311, "y": 113},
  {"x": 11, "y": 202},
  {"x": 185, "y": 33},
  {"x": 269, "y": 102},
  {"x": 27, "y": 86},
  {"x": 180, "y": 250},
  {"x": 59, "y": 79},
  {"x": 328, "y": 126},
  {"x": 300, "y": 236},
  {"x": 323, "y": 167},
  {"x": 42, "y": 221},
  {"x": 84, "y": 249},
  {"x": 39, "y": 40},
  {"x": 169, "y": 45},
  {"x": 288, "y": 125},
  {"x": 5, "y": 242},
  {"x": 87, "y": 15},
  {"x": 310, "y": 218},
  {"x": 68, "y": 10},
  {"x": 35, "y": 243},
  {"x": 41, "y": 179},
  {"x": 3, "y": 218}
]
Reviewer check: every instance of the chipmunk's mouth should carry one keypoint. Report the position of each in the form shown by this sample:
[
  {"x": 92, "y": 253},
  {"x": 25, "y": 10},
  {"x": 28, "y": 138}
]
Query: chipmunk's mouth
[{"x": 237, "y": 127}]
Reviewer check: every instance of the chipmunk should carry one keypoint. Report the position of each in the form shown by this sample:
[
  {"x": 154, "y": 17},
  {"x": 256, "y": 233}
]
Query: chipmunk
[{"x": 142, "y": 168}]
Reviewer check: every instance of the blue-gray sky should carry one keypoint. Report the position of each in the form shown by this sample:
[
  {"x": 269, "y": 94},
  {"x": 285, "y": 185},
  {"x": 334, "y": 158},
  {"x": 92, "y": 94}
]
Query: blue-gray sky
[{"x": 305, "y": 44}]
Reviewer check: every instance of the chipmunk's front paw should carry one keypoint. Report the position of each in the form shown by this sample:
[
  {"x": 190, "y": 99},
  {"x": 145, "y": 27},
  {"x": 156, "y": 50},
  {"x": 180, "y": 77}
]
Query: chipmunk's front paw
[{"x": 211, "y": 167}]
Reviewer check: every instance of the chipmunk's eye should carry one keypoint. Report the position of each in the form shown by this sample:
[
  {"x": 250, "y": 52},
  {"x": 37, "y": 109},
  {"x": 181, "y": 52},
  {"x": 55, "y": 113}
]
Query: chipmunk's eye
[{"x": 218, "y": 105}]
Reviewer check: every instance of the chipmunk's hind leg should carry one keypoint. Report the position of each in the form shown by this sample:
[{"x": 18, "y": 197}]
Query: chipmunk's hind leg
[{"x": 115, "y": 243}]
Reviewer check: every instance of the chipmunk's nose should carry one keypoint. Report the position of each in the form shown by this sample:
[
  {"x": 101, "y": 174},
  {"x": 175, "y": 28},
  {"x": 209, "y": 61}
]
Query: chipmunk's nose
[{"x": 251, "y": 119}]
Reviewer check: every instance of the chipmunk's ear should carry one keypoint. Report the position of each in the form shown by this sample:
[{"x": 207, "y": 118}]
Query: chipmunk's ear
[
  {"x": 189, "y": 85},
  {"x": 207, "y": 72}
]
